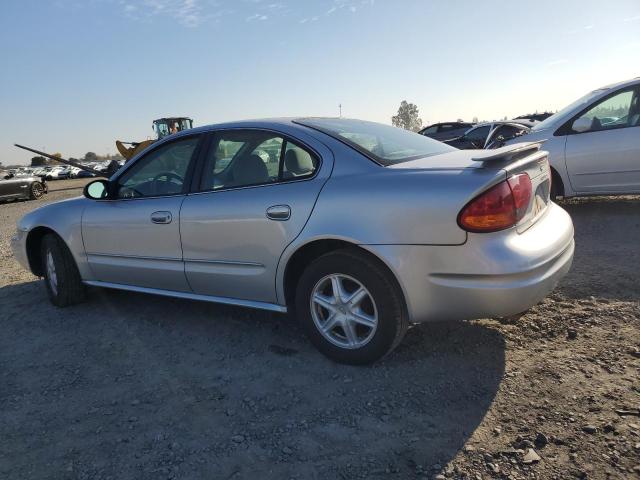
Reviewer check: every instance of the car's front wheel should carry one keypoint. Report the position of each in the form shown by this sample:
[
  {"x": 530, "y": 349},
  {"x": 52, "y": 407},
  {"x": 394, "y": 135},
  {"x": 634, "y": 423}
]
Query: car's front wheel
[
  {"x": 37, "y": 190},
  {"x": 350, "y": 308},
  {"x": 61, "y": 275}
]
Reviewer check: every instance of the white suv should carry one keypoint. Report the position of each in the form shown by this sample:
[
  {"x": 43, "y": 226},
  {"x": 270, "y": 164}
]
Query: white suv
[{"x": 594, "y": 143}]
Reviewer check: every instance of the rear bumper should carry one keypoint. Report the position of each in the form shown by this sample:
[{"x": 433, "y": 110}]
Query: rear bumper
[
  {"x": 491, "y": 275},
  {"x": 471, "y": 296}
]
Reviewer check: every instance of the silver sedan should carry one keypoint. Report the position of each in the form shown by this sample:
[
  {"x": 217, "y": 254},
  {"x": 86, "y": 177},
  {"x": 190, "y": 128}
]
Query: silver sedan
[{"x": 355, "y": 228}]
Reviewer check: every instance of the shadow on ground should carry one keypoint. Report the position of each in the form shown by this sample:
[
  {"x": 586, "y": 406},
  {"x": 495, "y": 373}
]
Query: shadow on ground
[
  {"x": 136, "y": 386},
  {"x": 607, "y": 233}
]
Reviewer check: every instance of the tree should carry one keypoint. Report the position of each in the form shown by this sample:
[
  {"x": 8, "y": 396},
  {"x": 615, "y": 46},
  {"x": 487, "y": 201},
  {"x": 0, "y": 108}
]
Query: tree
[
  {"x": 90, "y": 157},
  {"x": 407, "y": 117},
  {"x": 55, "y": 162},
  {"x": 39, "y": 161}
]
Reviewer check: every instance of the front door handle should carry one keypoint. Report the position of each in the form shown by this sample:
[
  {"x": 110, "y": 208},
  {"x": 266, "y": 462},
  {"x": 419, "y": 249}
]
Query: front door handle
[
  {"x": 161, "y": 217},
  {"x": 279, "y": 212}
]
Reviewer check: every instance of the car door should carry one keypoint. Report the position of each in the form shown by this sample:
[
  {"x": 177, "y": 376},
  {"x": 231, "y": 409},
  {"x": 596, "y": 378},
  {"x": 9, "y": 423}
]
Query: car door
[
  {"x": 5, "y": 187},
  {"x": 606, "y": 157},
  {"x": 12, "y": 187},
  {"x": 133, "y": 237},
  {"x": 257, "y": 189}
]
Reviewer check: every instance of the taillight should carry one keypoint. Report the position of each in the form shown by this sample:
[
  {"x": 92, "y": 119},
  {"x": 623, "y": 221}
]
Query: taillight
[{"x": 500, "y": 207}]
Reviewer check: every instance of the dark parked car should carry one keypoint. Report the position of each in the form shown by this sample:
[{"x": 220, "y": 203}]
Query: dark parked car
[
  {"x": 445, "y": 131},
  {"x": 12, "y": 187},
  {"x": 84, "y": 174},
  {"x": 535, "y": 117},
  {"x": 490, "y": 135}
]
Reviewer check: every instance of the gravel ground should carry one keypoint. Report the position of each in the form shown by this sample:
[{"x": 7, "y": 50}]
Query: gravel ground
[{"x": 130, "y": 386}]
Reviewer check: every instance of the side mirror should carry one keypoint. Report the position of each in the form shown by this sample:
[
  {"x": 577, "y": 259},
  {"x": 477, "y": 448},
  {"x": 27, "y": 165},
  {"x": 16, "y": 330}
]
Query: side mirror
[
  {"x": 582, "y": 124},
  {"x": 97, "y": 190}
]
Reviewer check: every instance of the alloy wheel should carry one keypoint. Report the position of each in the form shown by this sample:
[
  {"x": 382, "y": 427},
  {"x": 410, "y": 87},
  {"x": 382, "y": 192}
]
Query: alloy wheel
[
  {"x": 344, "y": 311},
  {"x": 37, "y": 190}
]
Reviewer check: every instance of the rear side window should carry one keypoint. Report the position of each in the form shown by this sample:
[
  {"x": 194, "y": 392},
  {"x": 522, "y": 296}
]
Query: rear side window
[
  {"x": 430, "y": 130},
  {"x": 384, "y": 144},
  {"x": 243, "y": 158},
  {"x": 478, "y": 134},
  {"x": 508, "y": 131}
]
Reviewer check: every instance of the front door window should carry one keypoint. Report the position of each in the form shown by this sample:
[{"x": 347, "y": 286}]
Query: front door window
[
  {"x": 161, "y": 172},
  {"x": 619, "y": 111}
]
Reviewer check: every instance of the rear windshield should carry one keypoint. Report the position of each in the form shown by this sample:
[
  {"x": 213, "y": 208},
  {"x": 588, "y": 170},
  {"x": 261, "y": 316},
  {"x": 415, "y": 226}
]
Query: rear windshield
[{"x": 382, "y": 143}]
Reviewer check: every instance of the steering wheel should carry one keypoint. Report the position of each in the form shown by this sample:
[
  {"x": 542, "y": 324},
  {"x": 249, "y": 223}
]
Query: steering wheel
[{"x": 169, "y": 176}]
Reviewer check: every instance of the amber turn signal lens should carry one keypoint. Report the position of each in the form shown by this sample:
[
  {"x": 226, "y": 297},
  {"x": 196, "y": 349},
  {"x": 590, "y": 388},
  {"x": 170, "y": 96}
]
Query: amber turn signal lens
[{"x": 500, "y": 207}]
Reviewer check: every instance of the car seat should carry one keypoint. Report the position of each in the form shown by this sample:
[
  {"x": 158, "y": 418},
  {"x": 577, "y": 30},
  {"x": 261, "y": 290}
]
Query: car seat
[{"x": 249, "y": 170}]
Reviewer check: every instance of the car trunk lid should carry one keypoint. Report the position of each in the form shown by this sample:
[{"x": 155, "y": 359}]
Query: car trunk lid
[{"x": 494, "y": 166}]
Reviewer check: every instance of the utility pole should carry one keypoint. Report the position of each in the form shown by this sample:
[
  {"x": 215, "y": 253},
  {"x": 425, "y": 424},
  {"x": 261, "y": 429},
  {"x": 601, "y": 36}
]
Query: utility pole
[{"x": 340, "y": 108}]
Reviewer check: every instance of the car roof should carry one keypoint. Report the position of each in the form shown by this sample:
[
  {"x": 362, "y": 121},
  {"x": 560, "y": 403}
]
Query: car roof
[
  {"x": 251, "y": 123},
  {"x": 447, "y": 123},
  {"x": 621, "y": 84}
]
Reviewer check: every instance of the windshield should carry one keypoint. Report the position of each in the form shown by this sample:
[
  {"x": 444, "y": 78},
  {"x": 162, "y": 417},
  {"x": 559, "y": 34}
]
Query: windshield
[
  {"x": 582, "y": 101},
  {"x": 382, "y": 143}
]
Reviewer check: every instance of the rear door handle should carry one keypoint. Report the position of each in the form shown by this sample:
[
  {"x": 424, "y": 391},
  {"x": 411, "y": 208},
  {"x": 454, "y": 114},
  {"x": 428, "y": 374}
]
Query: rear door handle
[
  {"x": 279, "y": 212},
  {"x": 161, "y": 217}
]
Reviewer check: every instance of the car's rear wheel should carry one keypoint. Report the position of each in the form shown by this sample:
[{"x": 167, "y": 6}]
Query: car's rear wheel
[
  {"x": 350, "y": 308},
  {"x": 61, "y": 276},
  {"x": 37, "y": 190}
]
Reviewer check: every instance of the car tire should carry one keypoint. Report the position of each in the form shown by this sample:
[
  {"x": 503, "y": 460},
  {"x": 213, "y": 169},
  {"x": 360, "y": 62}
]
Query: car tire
[
  {"x": 333, "y": 325},
  {"x": 36, "y": 191},
  {"x": 61, "y": 276}
]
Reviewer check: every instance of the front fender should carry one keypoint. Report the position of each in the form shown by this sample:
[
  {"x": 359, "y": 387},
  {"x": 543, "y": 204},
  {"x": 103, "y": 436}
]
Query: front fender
[{"x": 65, "y": 219}]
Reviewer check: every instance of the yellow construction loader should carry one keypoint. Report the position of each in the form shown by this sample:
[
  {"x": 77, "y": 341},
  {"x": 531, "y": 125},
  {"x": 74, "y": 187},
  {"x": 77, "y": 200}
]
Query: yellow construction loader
[{"x": 162, "y": 127}]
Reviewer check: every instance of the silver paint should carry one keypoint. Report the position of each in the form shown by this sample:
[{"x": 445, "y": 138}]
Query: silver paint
[{"x": 222, "y": 246}]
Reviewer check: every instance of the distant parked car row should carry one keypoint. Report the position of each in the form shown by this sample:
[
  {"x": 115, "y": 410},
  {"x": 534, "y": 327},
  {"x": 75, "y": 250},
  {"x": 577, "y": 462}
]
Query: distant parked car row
[
  {"x": 466, "y": 136},
  {"x": 446, "y": 131},
  {"x": 490, "y": 135}
]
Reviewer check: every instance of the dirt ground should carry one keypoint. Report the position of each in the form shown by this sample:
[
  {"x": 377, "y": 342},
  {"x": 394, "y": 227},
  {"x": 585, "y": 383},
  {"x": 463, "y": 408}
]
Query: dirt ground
[{"x": 130, "y": 386}]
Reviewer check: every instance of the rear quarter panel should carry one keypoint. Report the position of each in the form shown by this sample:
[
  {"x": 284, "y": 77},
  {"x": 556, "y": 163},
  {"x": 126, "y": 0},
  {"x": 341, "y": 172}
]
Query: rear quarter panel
[{"x": 403, "y": 206}]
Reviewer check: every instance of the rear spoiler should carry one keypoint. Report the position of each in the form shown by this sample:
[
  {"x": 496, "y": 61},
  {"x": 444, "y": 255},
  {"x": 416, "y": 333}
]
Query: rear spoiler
[{"x": 508, "y": 153}]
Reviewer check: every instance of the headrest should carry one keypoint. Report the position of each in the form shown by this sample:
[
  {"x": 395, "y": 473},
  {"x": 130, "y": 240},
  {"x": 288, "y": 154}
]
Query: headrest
[
  {"x": 298, "y": 162},
  {"x": 250, "y": 170}
]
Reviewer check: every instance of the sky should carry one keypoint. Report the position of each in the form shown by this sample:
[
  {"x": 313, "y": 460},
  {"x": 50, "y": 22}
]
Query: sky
[{"x": 75, "y": 75}]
